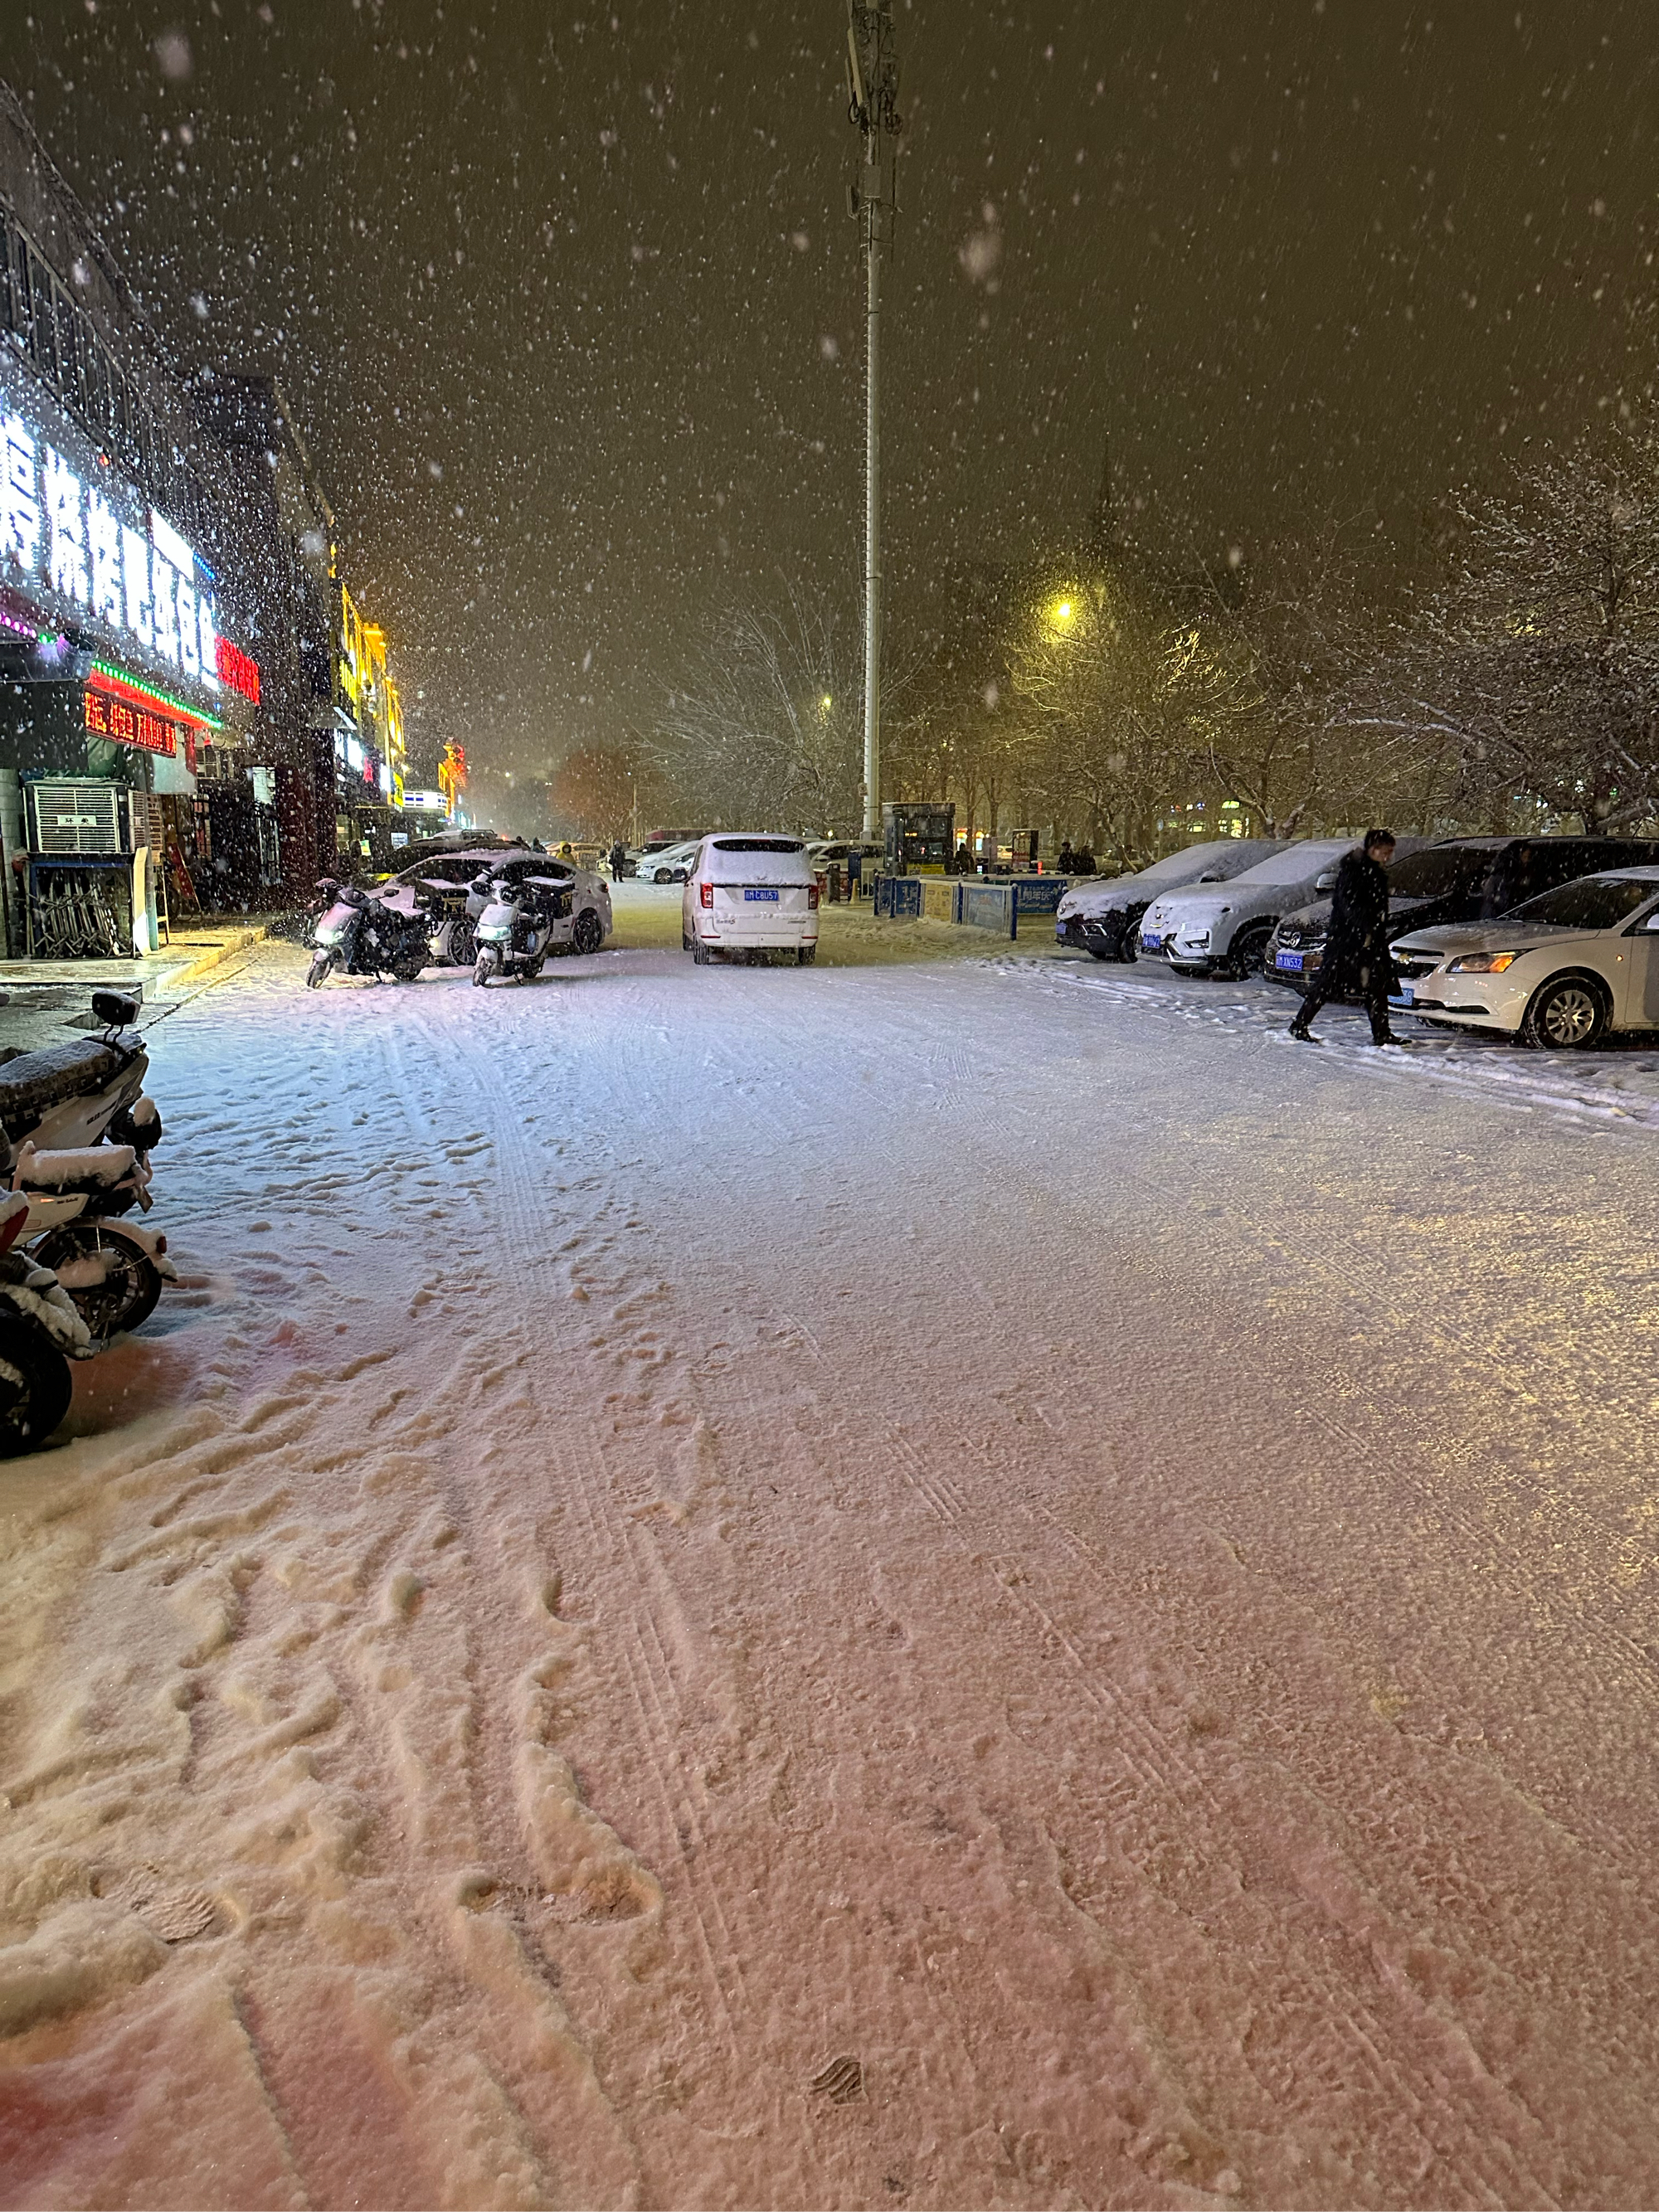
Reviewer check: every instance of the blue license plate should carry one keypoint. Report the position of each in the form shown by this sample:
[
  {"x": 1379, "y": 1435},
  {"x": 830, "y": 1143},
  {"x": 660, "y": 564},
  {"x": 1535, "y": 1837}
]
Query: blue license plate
[
  {"x": 1291, "y": 960},
  {"x": 1152, "y": 944},
  {"x": 759, "y": 898}
]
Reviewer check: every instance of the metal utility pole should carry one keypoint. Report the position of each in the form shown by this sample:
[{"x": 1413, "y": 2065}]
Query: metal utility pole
[{"x": 872, "y": 79}]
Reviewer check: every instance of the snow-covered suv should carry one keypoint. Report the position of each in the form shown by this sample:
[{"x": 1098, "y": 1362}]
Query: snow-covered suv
[
  {"x": 1103, "y": 917},
  {"x": 1224, "y": 930}
]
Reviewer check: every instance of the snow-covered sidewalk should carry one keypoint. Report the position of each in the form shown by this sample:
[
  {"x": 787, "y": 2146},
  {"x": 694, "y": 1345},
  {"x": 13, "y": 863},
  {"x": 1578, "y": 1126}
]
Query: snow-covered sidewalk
[{"x": 952, "y": 1583}]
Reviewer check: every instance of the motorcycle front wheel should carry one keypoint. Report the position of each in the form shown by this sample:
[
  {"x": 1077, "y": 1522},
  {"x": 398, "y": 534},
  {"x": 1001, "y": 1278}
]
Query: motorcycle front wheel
[
  {"x": 113, "y": 1282},
  {"x": 36, "y": 1387},
  {"x": 319, "y": 970},
  {"x": 487, "y": 964}
]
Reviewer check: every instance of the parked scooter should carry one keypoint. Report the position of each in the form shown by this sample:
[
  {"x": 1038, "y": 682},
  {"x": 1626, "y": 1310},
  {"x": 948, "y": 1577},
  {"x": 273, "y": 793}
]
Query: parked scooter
[
  {"x": 40, "y": 1332},
  {"x": 517, "y": 928},
  {"x": 77, "y": 1130},
  {"x": 371, "y": 933}
]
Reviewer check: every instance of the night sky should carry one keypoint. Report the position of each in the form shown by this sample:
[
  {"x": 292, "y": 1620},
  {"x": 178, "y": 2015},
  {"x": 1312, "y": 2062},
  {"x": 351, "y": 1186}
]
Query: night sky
[{"x": 569, "y": 303}]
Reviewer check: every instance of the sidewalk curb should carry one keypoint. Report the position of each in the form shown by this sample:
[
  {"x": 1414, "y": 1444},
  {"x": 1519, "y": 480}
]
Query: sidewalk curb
[{"x": 212, "y": 958}]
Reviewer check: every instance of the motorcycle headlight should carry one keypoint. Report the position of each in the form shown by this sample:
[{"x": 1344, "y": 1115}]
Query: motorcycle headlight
[
  {"x": 326, "y": 936},
  {"x": 494, "y": 931}
]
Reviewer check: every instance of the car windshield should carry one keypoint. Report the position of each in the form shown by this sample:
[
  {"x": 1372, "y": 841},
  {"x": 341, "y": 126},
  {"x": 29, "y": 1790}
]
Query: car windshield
[
  {"x": 1179, "y": 867},
  {"x": 1592, "y": 903},
  {"x": 758, "y": 845},
  {"x": 1294, "y": 865},
  {"x": 1430, "y": 873}
]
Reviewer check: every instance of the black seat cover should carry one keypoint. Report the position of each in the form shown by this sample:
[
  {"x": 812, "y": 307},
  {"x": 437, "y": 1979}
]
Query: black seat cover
[{"x": 36, "y": 1081}]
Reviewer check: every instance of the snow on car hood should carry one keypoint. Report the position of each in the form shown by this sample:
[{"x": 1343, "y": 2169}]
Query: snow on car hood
[
  {"x": 1189, "y": 910},
  {"x": 1098, "y": 898},
  {"x": 1496, "y": 936}
]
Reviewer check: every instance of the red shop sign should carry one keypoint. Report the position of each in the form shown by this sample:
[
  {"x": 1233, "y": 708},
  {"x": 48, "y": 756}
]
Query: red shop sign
[{"x": 109, "y": 717}]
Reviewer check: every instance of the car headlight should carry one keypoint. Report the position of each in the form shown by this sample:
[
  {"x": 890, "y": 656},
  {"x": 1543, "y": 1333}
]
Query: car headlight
[{"x": 1486, "y": 963}]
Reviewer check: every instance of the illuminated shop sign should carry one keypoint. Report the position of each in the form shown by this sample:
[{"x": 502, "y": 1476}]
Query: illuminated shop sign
[
  {"x": 113, "y": 718},
  {"x": 238, "y": 670},
  {"x": 127, "y": 714},
  {"x": 85, "y": 547}
]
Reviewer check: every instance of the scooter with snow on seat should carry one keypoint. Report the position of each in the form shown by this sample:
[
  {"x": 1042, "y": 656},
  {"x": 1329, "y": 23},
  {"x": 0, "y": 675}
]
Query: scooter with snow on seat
[
  {"x": 519, "y": 926},
  {"x": 371, "y": 933},
  {"x": 76, "y": 1131}
]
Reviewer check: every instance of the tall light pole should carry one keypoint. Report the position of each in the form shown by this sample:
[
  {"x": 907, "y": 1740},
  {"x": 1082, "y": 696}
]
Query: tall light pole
[{"x": 873, "y": 96}]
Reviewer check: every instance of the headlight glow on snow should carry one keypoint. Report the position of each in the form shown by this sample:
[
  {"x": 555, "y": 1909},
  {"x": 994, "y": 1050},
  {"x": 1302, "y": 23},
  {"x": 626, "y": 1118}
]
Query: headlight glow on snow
[{"x": 1485, "y": 964}]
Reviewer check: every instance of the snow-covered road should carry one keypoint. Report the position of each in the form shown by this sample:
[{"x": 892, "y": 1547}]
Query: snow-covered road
[{"x": 993, "y": 1520}]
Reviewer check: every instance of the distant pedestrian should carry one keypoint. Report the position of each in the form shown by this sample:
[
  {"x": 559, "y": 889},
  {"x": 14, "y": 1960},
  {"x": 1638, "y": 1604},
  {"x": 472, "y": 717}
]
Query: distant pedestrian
[
  {"x": 964, "y": 860},
  {"x": 854, "y": 871},
  {"x": 1083, "y": 861},
  {"x": 1067, "y": 862},
  {"x": 1358, "y": 964},
  {"x": 618, "y": 860}
]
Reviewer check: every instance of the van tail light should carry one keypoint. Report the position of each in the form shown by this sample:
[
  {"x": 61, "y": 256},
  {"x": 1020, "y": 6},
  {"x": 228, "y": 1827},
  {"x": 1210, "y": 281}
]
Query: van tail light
[
  {"x": 706, "y": 894},
  {"x": 812, "y": 898}
]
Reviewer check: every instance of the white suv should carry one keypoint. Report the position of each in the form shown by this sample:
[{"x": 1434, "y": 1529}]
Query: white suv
[
  {"x": 1223, "y": 929},
  {"x": 747, "y": 893}
]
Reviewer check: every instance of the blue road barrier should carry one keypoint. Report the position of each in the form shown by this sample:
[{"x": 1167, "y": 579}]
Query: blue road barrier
[{"x": 898, "y": 898}]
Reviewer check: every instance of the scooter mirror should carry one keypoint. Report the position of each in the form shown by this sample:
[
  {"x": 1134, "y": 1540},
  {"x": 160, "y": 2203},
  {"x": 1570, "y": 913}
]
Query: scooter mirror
[{"x": 114, "y": 1009}]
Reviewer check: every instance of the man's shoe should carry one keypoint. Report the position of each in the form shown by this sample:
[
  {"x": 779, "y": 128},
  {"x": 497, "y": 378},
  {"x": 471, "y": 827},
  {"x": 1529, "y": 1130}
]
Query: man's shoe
[
  {"x": 1302, "y": 1036},
  {"x": 1387, "y": 1040}
]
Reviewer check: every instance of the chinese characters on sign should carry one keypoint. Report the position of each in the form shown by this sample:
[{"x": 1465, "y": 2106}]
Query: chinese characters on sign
[
  {"x": 109, "y": 717},
  {"x": 237, "y": 669},
  {"x": 88, "y": 551}
]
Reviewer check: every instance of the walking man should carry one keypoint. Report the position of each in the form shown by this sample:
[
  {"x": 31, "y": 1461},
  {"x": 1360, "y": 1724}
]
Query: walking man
[{"x": 1358, "y": 964}]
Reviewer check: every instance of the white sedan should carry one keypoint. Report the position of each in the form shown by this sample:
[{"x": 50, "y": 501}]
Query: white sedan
[
  {"x": 671, "y": 866},
  {"x": 1562, "y": 970}
]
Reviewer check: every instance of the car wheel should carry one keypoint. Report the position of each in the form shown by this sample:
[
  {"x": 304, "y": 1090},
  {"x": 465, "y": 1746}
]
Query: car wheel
[
  {"x": 1570, "y": 1013},
  {"x": 463, "y": 941},
  {"x": 113, "y": 1282},
  {"x": 1249, "y": 952},
  {"x": 805, "y": 956},
  {"x": 662, "y": 875},
  {"x": 588, "y": 934},
  {"x": 700, "y": 953}
]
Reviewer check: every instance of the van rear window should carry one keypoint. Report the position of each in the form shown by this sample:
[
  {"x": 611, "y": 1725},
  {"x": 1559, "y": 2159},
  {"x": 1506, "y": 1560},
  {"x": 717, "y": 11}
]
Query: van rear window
[{"x": 759, "y": 845}]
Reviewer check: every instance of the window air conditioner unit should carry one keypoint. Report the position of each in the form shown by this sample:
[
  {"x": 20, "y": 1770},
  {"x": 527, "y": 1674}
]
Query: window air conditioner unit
[{"x": 78, "y": 817}]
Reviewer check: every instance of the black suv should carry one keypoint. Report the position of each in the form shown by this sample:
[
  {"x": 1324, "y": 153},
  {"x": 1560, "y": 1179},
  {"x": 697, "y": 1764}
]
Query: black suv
[{"x": 1460, "y": 879}]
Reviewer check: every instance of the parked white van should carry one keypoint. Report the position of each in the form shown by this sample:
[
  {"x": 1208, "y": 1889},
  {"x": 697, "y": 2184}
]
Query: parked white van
[{"x": 748, "y": 893}]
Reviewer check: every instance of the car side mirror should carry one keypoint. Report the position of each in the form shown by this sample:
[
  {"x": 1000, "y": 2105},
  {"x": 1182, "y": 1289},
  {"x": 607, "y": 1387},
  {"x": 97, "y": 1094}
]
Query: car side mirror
[{"x": 1649, "y": 925}]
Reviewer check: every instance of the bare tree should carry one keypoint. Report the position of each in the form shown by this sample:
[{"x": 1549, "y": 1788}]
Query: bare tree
[
  {"x": 1534, "y": 671},
  {"x": 766, "y": 726}
]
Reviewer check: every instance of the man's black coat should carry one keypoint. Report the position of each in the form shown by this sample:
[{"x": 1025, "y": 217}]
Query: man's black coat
[{"x": 1358, "y": 939}]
